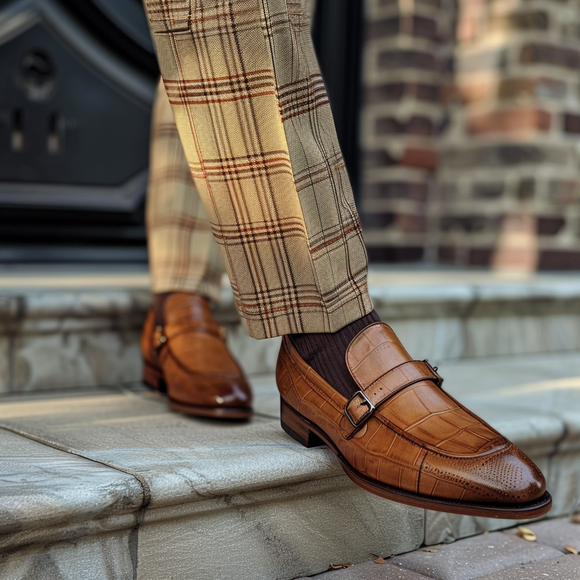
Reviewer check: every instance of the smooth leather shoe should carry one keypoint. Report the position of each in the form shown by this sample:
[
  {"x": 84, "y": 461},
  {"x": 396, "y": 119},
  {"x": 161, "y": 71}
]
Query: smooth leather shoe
[
  {"x": 403, "y": 438},
  {"x": 187, "y": 357}
]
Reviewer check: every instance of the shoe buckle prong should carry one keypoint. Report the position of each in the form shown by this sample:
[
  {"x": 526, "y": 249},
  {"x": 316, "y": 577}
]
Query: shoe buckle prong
[
  {"x": 365, "y": 401},
  {"x": 435, "y": 372}
]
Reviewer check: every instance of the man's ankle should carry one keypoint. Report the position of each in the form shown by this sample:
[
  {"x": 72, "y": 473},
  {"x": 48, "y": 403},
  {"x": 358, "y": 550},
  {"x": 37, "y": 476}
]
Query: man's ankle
[{"x": 325, "y": 353}]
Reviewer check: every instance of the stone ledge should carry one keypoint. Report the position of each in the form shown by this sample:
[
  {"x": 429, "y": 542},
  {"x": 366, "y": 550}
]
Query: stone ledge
[
  {"x": 248, "y": 491},
  {"x": 86, "y": 333}
]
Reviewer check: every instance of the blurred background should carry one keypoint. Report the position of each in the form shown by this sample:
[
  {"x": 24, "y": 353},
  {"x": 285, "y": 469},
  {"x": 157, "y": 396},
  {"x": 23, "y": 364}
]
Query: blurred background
[{"x": 459, "y": 121}]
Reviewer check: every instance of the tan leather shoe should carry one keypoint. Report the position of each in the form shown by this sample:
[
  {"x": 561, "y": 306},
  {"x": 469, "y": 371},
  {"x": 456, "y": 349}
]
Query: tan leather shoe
[
  {"x": 403, "y": 438},
  {"x": 188, "y": 359}
]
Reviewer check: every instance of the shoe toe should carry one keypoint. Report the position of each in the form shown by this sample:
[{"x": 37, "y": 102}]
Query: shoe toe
[
  {"x": 230, "y": 391},
  {"x": 507, "y": 476}
]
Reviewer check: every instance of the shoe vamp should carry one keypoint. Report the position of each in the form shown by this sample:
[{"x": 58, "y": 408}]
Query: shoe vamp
[
  {"x": 427, "y": 415},
  {"x": 203, "y": 353}
]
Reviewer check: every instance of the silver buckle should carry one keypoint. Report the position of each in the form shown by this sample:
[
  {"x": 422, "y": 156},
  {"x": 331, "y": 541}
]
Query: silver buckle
[{"x": 365, "y": 401}]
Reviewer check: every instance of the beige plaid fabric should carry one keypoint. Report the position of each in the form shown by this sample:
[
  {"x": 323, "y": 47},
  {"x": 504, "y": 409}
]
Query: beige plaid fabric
[
  {"x": 183, "y": 255},
  {"x": 258, "y": 134}
]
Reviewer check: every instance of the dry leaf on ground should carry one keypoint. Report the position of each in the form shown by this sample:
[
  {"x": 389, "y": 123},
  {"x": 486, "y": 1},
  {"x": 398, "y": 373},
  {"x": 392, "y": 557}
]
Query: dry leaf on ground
[
  {"x": 526, "y": 534},
  {"x": 380, "y": 560},
  {"x": 575, "y": 519},
  {"x": 571, "y": 549},
  {"x": 339, "y": 566}
]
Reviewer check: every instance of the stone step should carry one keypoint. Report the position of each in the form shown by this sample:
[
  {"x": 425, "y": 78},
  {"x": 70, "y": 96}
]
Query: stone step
[
  {"x": 107, "y": 483},
  {"x": 73, "y": 327}
]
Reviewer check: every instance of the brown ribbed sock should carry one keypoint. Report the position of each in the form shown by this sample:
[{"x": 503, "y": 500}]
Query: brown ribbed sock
[{"x": 325, "y": 353}]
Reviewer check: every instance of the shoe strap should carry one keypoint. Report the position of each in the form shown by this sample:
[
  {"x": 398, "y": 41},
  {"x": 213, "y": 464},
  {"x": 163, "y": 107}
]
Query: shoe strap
[
  {"x": 161, "y": 337},
  {"x": 363, "y": 404}
]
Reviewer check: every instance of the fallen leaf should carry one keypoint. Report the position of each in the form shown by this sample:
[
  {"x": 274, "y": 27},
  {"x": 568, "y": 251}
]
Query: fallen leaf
[
  {"x": 486, "y": 532},
  {"x": 433, "y": 550},
  {"x": 575, "y": 519},
  {"x": 571, "y": 549},
  {"x": 339, "y": 566},
  {"x": 526, "y": 534},
  {"x": 380, "y": 560}
]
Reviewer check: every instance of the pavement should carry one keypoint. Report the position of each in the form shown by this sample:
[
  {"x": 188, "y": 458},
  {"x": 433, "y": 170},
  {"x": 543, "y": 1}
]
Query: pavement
[{"x": 545, "y": 550}]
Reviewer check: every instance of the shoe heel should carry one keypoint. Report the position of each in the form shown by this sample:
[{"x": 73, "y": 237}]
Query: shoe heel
[
  {"x": 297, "y": 428},
  {"x": 153, "y": 378}
]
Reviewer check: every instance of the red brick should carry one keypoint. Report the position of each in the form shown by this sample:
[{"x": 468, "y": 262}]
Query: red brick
[
  {"x": 559, "y": 260},
  {"x": 378, "y": 158},
  {"x": 411, "y": 25},
  {"x": 467, "y": 223},
  {"x": 510, "y": 121},
  {"x": 550, "y": 226},
  {"x": 378, "y": 254},
  {"x": 376, "y": 220},
  {"x": 572, "y": 123},
  {"x": 416, "y": 125},
  {"x": 423, "y": 158},
  {"x": 532, "y": 87},
  {"x": 411, "y": 223},
  {"x": 487, "y": 190},
  {"x": 396, "y": 190},
  {"x": 446, "y": 254},
  {"x": 480, "y": 256},
  {"x": 391, "y": 92},
  {"x": 409, "y": 59},
  {"x": 550, "y": 54}
]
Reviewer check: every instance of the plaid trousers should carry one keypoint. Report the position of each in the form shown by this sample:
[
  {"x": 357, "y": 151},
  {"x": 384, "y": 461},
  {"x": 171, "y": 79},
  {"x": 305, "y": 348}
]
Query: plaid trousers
[
  {"x": 183, "y": 255},
  {"x": 258, "y": 135}
]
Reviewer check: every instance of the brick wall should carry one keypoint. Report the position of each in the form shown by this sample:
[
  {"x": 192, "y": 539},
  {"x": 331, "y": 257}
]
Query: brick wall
[
  {"x": 494, "y": 176},
  {"x": 405, "y": 67}
]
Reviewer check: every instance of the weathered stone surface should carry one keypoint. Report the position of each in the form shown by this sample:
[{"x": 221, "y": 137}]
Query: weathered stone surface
[
  {"x": 102, "y": 557},
  {"x": 42, "y": 487},
  {"x": 562, "y": 568},
  {"x": 245, "y": 498},
  {"x": 475, "y": 557},
  {"x": 288, "y": 532}
]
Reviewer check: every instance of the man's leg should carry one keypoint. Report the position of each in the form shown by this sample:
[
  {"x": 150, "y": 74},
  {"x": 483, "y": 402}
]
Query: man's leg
[
  {"x": 257, "y": 131},
  {"x": 183, "y": 256},
  {"x": 254, "y": 117},
  {"x": 181, "y": 343}
]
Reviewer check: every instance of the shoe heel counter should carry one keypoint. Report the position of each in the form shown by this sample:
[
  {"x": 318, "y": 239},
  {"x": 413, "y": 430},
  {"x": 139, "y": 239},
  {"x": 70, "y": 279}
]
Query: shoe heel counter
[
  {"x": 146, "y": 340},
  {"x": 297, "y": 428},
  {"x": 283, "y": 375}
]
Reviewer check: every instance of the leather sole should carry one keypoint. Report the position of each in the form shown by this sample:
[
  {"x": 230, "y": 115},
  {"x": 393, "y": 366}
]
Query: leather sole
[
  {"x": 235, "y": 413},
  {"x": 153, "y": 378},
  {"x": 310, "y": 435}
]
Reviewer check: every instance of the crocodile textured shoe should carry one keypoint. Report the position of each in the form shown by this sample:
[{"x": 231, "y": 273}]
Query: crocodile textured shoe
[
  {"x": 187, "y": 358},
  {"x": 403, "y": 438}
]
